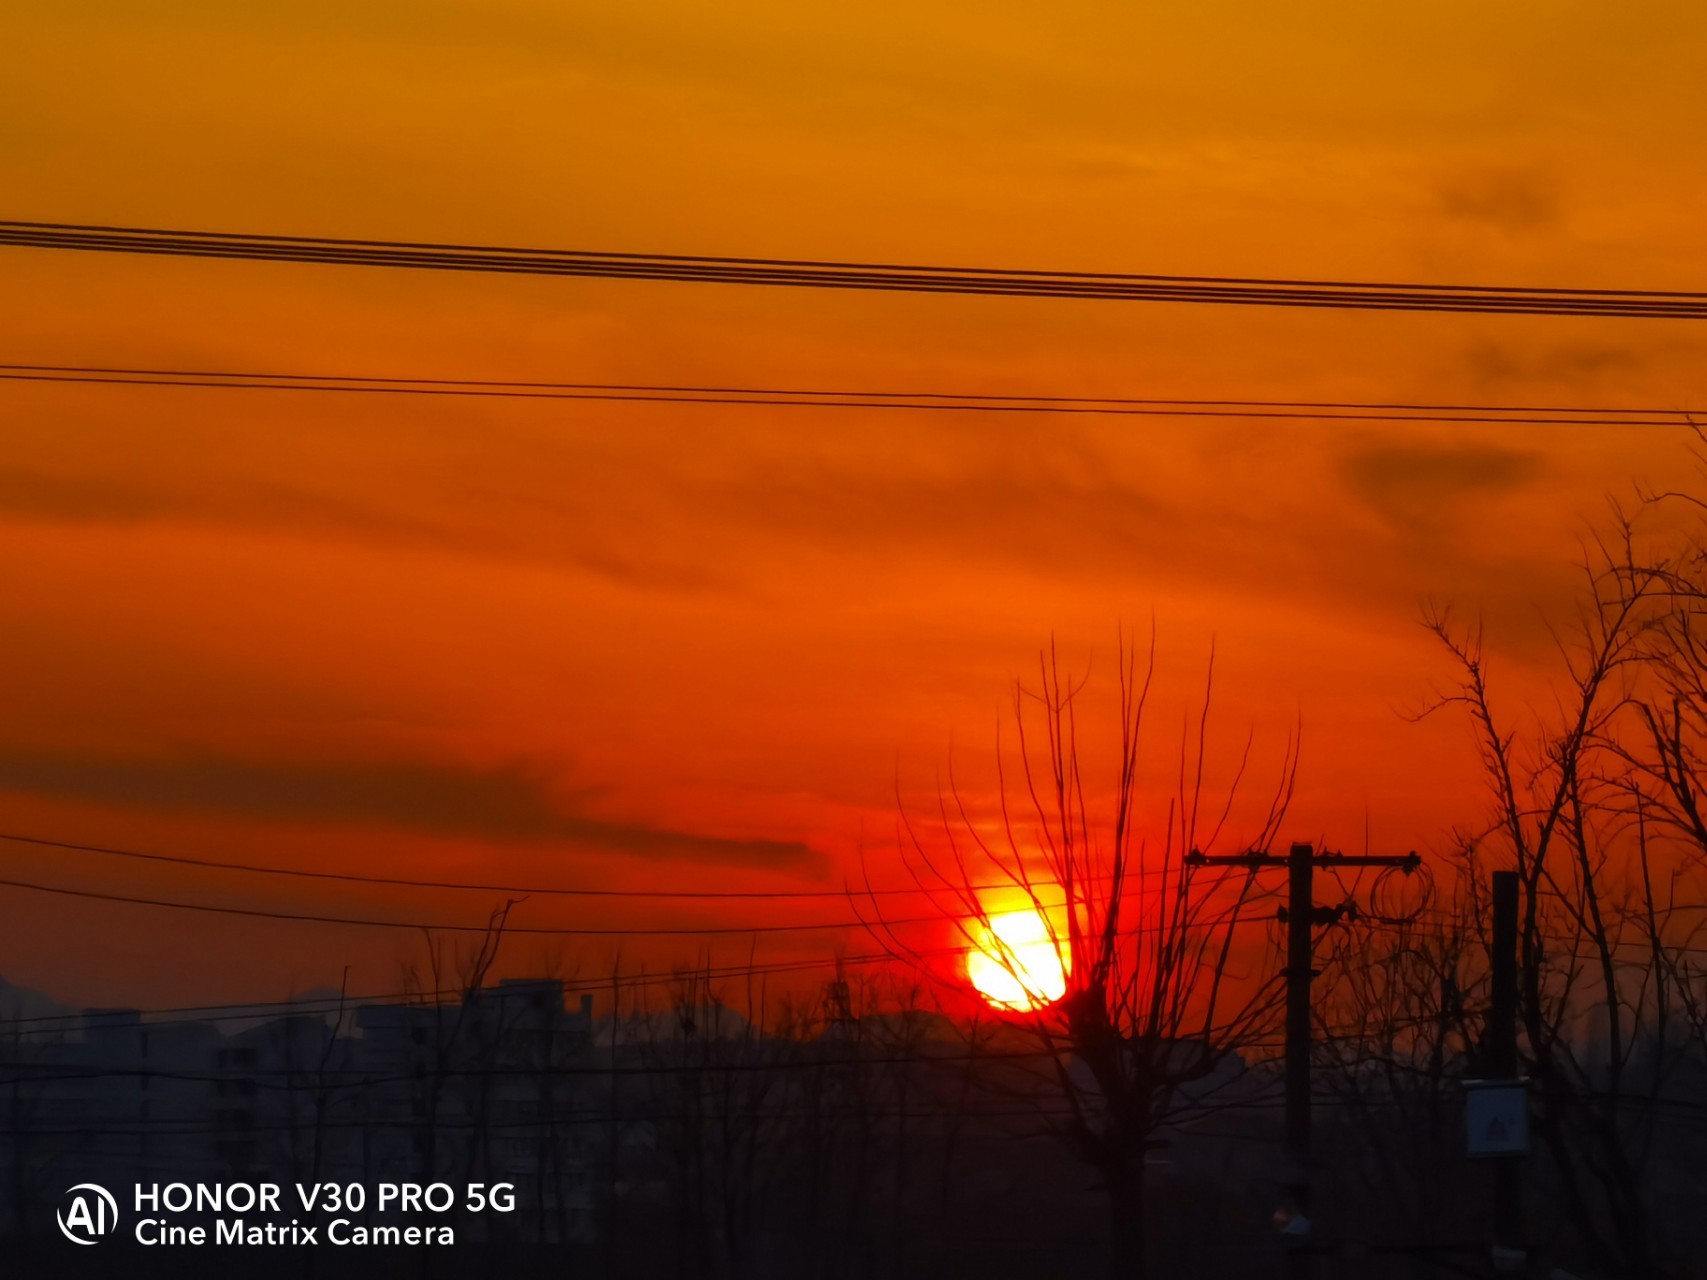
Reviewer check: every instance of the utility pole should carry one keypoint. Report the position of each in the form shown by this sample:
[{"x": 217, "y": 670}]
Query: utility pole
[
  {"x": 1300, "y": 915},
  {"x": 1300, "y": 972},
  {"x": 1502, "y": 1052}
]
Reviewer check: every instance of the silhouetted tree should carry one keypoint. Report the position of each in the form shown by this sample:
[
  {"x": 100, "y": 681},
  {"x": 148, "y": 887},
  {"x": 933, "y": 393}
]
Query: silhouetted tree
[
  {"x": 1160, "y": 992},
  {"x": 1567, "y": 815}
]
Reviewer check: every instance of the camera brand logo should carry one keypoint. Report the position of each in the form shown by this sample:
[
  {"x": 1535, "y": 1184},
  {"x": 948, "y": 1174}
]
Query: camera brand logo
[{"x": 91, "y": 1214}]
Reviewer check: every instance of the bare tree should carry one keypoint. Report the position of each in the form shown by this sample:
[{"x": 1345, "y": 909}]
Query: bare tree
[
  {"x": 1145, "y": 993},
  {"x": 717, "y": 1102},
  {"x": 1568, "y": 815},
  {"x": 443, "y": 1074}
]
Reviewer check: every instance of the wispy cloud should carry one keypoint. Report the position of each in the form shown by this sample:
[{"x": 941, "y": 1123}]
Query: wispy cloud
[
  {"x": 1516, "y": 200},
  {"x": 454, "y": 525},
  {"x": 1421, "y": 488},
  {"x": 509, "y": 803}
]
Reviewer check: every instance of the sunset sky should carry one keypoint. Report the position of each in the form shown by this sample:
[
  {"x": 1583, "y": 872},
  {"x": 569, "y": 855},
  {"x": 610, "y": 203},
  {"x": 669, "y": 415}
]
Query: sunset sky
[{"x": 702, "y": 647}]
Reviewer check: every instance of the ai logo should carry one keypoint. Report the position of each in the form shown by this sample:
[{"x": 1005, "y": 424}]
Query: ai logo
[{"x": 91, "y": 1214}]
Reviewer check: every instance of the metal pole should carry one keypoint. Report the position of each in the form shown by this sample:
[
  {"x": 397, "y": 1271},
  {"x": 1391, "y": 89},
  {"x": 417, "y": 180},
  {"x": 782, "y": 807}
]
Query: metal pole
[
  {"x": 1502, "y": 1044},
  {"x": 1300, "y": 912},
  {"x": 1301, "y": 915}
]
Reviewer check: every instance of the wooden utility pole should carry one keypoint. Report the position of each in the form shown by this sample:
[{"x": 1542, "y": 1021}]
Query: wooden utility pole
[{"x": 1301, "y": 914}]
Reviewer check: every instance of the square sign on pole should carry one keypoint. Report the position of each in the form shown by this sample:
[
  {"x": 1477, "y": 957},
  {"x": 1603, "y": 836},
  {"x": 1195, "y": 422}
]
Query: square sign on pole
[{"x": 1496, "y": 1118}]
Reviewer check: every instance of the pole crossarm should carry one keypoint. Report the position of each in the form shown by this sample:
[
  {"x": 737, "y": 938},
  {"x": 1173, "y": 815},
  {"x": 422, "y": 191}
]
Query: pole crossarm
[
  {"x": 1406, "y": 862},
  {"x": 1300, "y": 914}
]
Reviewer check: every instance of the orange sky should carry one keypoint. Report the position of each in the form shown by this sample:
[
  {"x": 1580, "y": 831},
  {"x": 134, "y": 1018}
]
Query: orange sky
[{"x": 676, "y": 647}]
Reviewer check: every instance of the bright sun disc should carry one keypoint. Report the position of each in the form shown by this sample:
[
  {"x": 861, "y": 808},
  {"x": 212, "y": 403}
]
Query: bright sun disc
[{"x": 1017, "y": 964}]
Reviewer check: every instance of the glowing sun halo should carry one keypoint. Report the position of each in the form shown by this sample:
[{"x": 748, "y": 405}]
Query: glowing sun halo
[{"x": 1016, "y": 964}]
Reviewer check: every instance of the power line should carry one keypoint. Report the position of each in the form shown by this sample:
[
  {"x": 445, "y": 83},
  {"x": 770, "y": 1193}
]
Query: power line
[
  {"x": 351, "y": 877},
  {"x": 433, "y": 926},
  {"x": 252, "y": 1010},
  {"x": 445, "y": 927},
  {"x": 540, "y": 1126},
  {"x": 249, "y": 1010},
  {"x": 805, "y": 391},
  {"x": 805, "y": 398},
  {"x": 368, "y": 922},
  {"x": 784, "y": 1058},
  {"x": 889, "y": 277}
]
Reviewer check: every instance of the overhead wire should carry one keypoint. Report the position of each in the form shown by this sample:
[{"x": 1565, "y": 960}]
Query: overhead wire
[
  {"x": 741, "y": 930},
  {"x": 797, "y": 397},
  {"x": 449, "y": 926},
  {"x": 831, "y": 274},
  {"x": 539, "y": 890}
]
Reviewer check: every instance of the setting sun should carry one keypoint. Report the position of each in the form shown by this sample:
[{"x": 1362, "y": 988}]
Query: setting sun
[{"x": 1017, "y": 964}]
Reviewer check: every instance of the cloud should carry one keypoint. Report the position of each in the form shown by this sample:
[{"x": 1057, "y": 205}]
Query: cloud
[
  {"x": 544, "y": 535},
  {"x": 1500, "y": 364},
  {"x": 1420, "y": 488},
  {"x": 42, "y": 495},
  {"x": 509, "y": 803},
  {"x": 1514, "y": 200},
  {"x": 1065, "y": 512},
  {"x": 1061, "y": 512}
]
